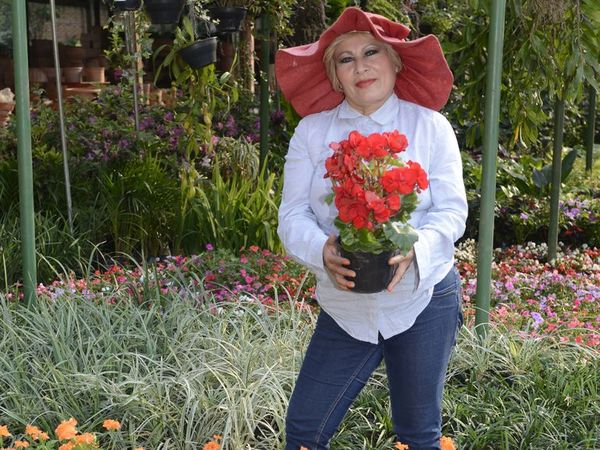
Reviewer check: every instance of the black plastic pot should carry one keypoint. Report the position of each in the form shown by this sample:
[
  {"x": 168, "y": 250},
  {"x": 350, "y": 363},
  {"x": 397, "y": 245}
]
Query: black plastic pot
[
  {"x": 164, "y": 11},
  {"x": 127, "y": 5},
  {"x": 230, "y": 18},
  {"x": 373, "y": 273},
  {"x": 201, "y": 53}
]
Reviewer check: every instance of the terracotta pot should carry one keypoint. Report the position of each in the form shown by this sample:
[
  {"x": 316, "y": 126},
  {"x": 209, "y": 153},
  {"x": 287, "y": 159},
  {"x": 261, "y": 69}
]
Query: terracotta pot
[
  {"x": 94, "y": 74},
  {"x": 37, "y": 76},
  {"x": 373, "y": 273},
  {"x": 72, "y": 74},
  {"x": 5, "y": 111},
  {"x": 201, "y": 53},
  {"x": 71, "y": 56},
  {"x": 50, "y": 73}
]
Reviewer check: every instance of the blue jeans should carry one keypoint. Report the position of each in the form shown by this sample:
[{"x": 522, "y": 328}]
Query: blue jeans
[{"x": 336, "y": 367}]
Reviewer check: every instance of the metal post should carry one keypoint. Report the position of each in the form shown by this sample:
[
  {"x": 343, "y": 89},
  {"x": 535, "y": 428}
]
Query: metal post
[
  {"x": 61, "y": 115},
  {"x": 559, "y": 120},
  {"x": 130, "y": 37},
  {"x": 590, "y": 130},
  {"x": 23, "y": 123},
  {"x": 264, "y": 88},
  {"x": 490, "y": 152}
]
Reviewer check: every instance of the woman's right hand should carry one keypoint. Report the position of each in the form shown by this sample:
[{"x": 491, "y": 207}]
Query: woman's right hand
[{"x": 334, "y": 264}]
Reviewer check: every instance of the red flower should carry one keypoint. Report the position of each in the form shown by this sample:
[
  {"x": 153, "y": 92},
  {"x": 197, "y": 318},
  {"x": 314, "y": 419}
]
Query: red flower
[
  {"x": 420, "y": 174},
  {"x": 401, "y": 180},
  {"x": 397, "y": 141},
  {"x": 369, "y": 181}
]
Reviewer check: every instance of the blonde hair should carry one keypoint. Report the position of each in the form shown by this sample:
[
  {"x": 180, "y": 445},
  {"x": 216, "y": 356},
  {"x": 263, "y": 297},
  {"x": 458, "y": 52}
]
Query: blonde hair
[{"x": 329, "y": 60}]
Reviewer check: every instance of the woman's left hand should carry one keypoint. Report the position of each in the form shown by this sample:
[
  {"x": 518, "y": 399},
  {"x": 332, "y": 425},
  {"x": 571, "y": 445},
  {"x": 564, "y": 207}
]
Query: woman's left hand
[{"x": 403, "y": 264}]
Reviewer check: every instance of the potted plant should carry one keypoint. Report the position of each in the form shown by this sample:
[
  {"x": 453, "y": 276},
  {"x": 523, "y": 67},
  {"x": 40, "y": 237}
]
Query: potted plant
[
  {"x": 228, "y": 14},
  {"x": 196, "y": 52},
  {"x": 72, "y": 54},
  {"x": 164, "y": 11},
  {"x": 375, "y": 193}
]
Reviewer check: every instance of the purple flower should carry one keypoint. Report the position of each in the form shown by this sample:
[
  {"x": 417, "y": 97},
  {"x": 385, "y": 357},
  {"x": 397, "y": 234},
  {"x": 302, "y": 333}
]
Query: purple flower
[
  {"x": 524, "y": 216},
  {"x": 537, "y": 319},
  {"x": 209, "y": 247}
]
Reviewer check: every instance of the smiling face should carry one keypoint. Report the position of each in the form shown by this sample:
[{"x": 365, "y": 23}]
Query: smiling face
[{"x": 365, "y": 71}]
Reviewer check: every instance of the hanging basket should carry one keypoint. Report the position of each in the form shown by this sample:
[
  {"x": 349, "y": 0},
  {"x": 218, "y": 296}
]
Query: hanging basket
[
  {"x": 373, "y": 273},
  {"x": 230, "y": 18},
  {"x": 164, "y": 11},
  {"x": 127, "y": 5},
  {"x": 201, "y": 53}
]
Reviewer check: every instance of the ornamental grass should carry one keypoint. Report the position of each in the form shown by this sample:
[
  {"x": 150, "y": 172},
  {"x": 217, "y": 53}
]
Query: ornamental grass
[{"x": 183, "y": 348}]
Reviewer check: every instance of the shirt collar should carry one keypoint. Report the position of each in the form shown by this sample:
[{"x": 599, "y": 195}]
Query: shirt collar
[{"x": 385, "y": 114}]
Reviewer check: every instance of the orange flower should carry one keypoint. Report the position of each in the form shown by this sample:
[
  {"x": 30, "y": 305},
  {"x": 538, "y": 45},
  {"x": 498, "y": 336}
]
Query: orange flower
[
  {"x": 67, "y": 446},
  {"x": 35, "y": 433},
  {"x": 303, "y": 448},
  {"x": 21, "y": 444},
  {"x": 217, "y": 437},
  {"x": 212, "y": 445},
  {"x": 401, "y": 446},
  {"x": 446, "y": 443},
  {"x": 4, "y": 431},
  {"x": 66, "y": 430},
  {"x": 112, "y": 425},
  {"x": 85, "y": 438},
  {"x": 139, "y": 448}
]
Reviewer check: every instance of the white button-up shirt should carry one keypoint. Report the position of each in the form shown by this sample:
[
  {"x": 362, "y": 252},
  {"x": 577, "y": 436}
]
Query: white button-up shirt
[{"x": 306, "y": 220}]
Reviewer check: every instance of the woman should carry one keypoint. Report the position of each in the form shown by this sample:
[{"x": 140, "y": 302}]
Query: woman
[{"x": 362, "y": 75}]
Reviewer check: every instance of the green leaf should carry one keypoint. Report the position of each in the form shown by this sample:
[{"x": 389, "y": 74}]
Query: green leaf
[
  {"x": 402, "y": 235},
  {"x": 567, "y": 164}
]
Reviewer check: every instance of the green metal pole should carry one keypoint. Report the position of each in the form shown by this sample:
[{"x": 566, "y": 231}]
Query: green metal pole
[
  {"x": 23, "y": 122},
  {"x": 590, "y": 130},
  {"x": 264, "y": 88},
  {"x": 490, "y": 152},
  {"x": 559, "y": 120}
]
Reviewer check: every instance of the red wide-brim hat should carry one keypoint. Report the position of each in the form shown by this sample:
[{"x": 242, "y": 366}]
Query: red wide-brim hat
[{"x": 425, "y": 77}]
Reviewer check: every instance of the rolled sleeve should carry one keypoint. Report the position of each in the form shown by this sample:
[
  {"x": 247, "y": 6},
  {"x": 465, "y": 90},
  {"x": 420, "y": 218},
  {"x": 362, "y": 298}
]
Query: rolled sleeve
[{"x": 298, "y": 228}]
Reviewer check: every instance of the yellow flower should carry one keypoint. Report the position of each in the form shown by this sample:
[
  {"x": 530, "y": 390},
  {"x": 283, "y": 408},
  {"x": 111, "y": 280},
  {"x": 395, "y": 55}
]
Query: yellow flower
[
  {"x": 35, "y": 433},
  {"x": 112, "y": 425},
  {"x": 85, "y": 438},
  {"x": 401, "y": 446},
  {"x": 21, "y": 444},
  {"x": 67, "y": 446},
  {"x": 4, "y": 431},
  {"x": 66, "y": 430},
  {"x": 446, "y": 443}
]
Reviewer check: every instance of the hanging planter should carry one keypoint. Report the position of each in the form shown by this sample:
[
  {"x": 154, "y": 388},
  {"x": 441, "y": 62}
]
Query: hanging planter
[
  {"x": 201, "y": 53},
  {"x": 230, "y": 18},
  {"x": 127, "y": 5},
  {"x": 164, "y": 11},
  {"x": 373, "y": 273}
]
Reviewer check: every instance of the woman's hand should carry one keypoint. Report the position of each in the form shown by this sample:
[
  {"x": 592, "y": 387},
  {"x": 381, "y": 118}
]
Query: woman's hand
[
  {"x": 403, "y": 264},
  {"x": 334, "y": 264}
]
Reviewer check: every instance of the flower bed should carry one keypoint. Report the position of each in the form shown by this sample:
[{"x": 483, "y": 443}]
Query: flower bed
[
  {"x": 538, "y": 298},
  {"x": 530, "y": 296}
]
